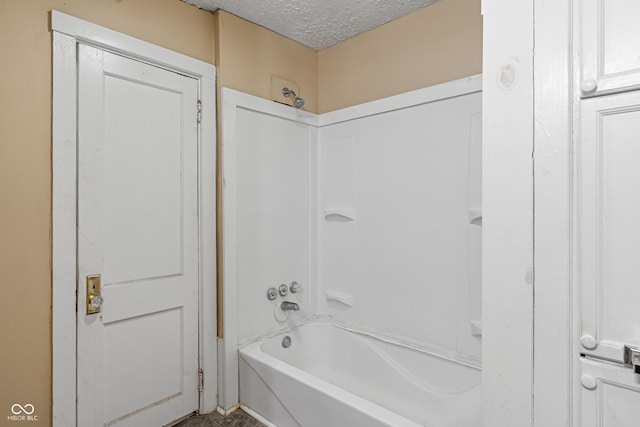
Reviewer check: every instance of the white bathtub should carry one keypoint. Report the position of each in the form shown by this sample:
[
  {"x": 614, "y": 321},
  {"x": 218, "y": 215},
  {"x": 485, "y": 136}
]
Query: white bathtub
[{"x": 331, "y": 377}]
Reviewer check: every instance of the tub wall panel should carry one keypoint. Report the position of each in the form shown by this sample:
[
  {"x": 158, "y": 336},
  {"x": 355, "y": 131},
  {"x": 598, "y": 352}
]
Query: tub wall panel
[
  {"x": 416, "y": 173},
  {"x": 339, "y": 257},
  {"x": 273, "y": 233},
  {"x": 470, "y": 241}
]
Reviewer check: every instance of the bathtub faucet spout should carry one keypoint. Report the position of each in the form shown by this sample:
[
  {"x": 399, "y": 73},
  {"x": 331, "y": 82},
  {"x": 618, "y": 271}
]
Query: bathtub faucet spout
[{"x": 289, "y": 306}]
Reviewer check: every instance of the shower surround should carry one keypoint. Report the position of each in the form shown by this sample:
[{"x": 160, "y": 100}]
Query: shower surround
[{"x": 376, "y": 210}]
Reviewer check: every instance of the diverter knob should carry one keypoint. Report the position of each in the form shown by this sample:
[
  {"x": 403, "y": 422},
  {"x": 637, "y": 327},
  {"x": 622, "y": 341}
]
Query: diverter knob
[{"x": 295, "y": 287}]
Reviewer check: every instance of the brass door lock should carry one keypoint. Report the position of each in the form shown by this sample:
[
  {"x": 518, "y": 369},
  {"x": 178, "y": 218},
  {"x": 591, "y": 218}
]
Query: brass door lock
[{"x": 94, "y": 294}]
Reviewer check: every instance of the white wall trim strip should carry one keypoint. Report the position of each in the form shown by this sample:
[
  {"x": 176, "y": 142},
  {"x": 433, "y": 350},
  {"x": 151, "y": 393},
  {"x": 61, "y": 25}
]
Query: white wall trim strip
[
  {"x": 265, "y": 106},
  {"x": 439, "y": 92}
]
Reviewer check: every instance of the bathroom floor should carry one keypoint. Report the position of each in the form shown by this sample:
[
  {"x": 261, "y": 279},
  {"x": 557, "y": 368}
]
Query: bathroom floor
[{"x": 238, "y": 418}]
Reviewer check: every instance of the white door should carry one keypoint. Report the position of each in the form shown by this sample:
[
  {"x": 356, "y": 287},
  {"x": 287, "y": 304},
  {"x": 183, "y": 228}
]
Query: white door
[
  {"x": 608, "y": 249},
  {"x": 138, "y": 229}
]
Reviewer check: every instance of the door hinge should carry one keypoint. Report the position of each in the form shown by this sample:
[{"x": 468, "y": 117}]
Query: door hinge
[
  {"x": 200, "y": 380},
  {"x": 199, "y": 110}
]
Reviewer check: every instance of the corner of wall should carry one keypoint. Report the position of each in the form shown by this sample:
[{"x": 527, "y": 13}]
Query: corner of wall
[
  {"x": 249, "y": 55},
  {"x": 436, "y": 44},
  {"x": 219, "y": 187},
  {"x": 216, "y": 40}
]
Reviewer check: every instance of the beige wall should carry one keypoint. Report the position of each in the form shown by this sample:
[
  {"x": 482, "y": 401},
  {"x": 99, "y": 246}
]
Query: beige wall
[
  {"x": 25, "y": 168},
  {"x": 434, "y": 45},
  {"x": 437, "y": 44},
  {"x": 248, "y": 55}
]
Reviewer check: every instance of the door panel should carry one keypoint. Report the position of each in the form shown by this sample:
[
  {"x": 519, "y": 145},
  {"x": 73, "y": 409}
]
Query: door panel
[
  {"x": 608, "y": 250},
  {"x": 612, "y": 396},
  {"x": 140, "y": 136},
  {"x": 610, "y": 44},
  {"x": 132, "y": 361},
  {"x": 137, "y": 227},
  {"x": 609, "y": 230}
]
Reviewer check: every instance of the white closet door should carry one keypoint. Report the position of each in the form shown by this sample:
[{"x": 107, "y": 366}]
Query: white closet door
[
  {"x": 608, "y": 255},
  {"x": 137, "y": 228}
]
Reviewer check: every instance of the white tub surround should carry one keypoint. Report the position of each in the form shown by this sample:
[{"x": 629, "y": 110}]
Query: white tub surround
[
  {"x": 375, "y": 209},
  {"x": 331, "y": 376}
]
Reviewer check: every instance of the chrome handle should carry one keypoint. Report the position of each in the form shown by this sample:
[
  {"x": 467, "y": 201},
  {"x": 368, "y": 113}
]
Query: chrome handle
[
  {"x": 632, "y": 358},
  {"x": 283, "y": 290},
  {"x": 295, "y": 287},
  {"x": 289, "y": 306}
]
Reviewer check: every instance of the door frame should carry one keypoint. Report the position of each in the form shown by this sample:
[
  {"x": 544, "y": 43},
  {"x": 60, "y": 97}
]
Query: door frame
[
  {"x": 556, "y": 308},
  {"x": 68, "y": 31}
]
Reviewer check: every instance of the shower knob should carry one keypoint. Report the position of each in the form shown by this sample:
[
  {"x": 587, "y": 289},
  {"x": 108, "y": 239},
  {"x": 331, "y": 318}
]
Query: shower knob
[
  {"x": 283, "y": 290},
  {"x": 295, "y": 287}
]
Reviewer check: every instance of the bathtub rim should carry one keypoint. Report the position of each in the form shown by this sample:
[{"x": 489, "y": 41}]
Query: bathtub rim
[
  {"x": 428, "y": 350},
  {"x": 370, "y": 341}
]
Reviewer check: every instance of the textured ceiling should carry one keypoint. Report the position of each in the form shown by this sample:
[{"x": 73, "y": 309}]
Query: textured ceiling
[{"x": 316, "y": 23}]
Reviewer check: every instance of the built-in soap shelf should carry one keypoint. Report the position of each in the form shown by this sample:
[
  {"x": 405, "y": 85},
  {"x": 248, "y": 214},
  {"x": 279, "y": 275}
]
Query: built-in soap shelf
[
  {"x": 340, "y": 213},
  {"x": 341, "y": 297},
  {"x": 476, "y": 328},
  {"x": 475, "y": 216}
]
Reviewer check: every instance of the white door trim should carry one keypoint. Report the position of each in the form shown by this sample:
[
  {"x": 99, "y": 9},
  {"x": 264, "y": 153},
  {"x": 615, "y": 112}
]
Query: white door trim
[
  {"x": 68, "y": 31},
  {"x": 508, "y": 213},
  {"x": 555, "y": 305}
]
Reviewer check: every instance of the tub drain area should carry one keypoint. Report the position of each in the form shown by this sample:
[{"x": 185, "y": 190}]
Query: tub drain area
[{"x": 286, "y": 341}]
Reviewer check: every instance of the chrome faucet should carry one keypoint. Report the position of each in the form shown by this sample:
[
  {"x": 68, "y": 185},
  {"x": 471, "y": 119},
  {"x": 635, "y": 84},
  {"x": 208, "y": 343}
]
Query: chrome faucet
[{"x": 289, "y": 306}]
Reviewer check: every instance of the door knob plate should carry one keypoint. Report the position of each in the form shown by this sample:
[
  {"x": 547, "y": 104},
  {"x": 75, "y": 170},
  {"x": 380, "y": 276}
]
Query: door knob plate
[{"x": 94, "y": 294}]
